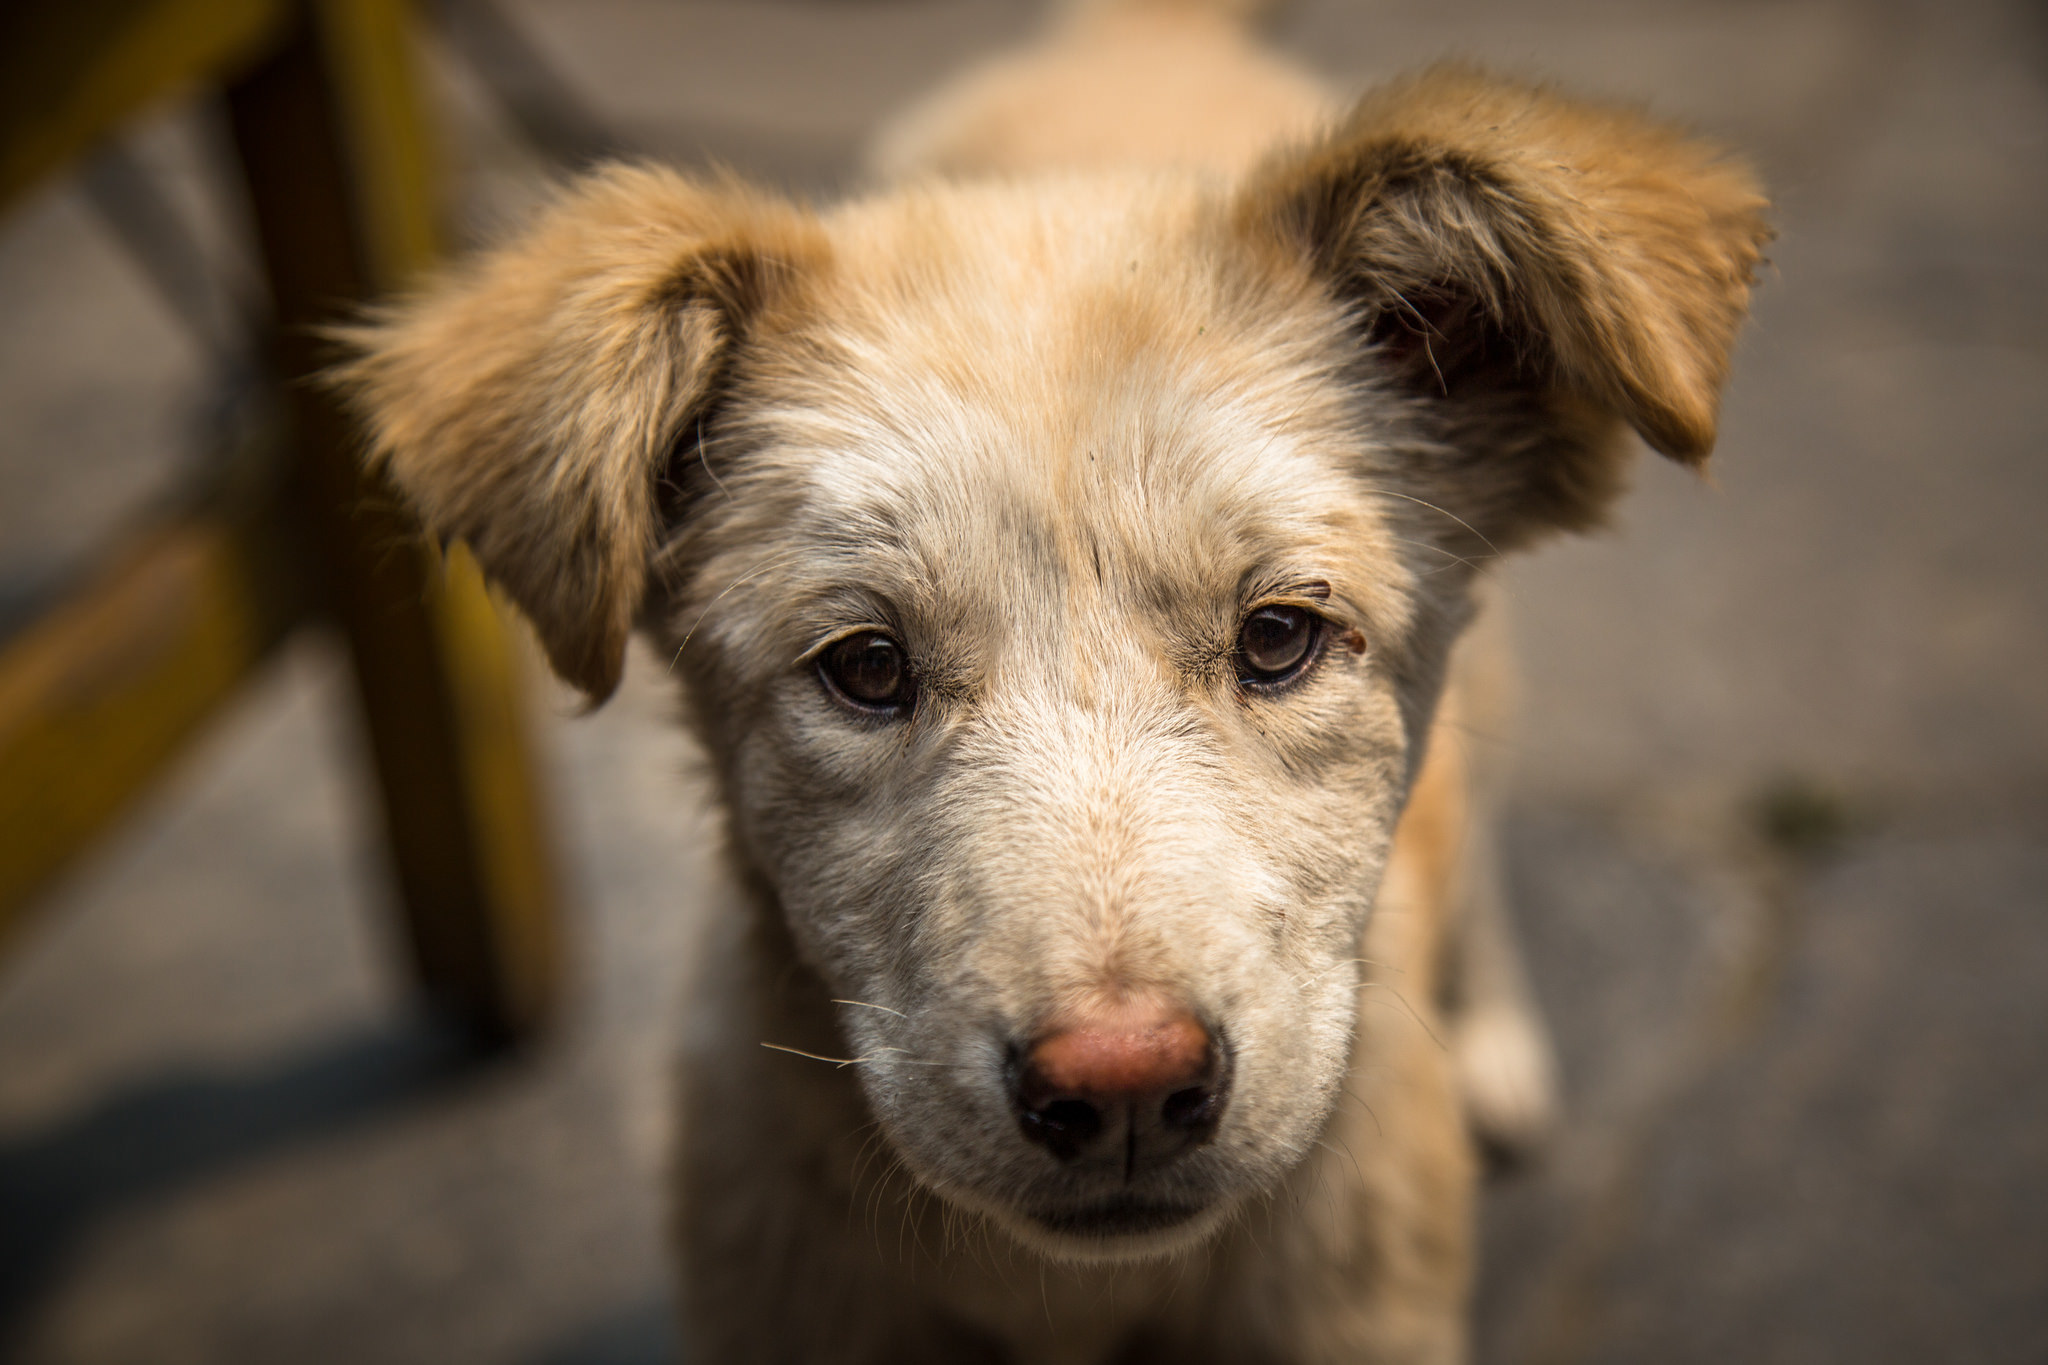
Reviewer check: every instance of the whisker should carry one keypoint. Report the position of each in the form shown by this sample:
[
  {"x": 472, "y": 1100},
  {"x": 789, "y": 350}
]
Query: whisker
[
  {"x": 1451, "y": 555},
  {"x": 702, "y": 459},
  {"x": 1358, "y": 962},
  {"x": 1412, "y": 1013},
  {"x": 817, "y": 1057},
  {"x": 1423, "y": 502},
  {"x": 746, "y": 578},
  {"x": 1333, "y": 1151},
  {"x": 1355, "y": 1099},
  {"x": 867, "y": 1006},
  {"x": 1429, "y": 330},
  {"x": 870, "y": 1148},
  {"x": 905, "y": 1060},
  {"x": 909, "y": 1059}
]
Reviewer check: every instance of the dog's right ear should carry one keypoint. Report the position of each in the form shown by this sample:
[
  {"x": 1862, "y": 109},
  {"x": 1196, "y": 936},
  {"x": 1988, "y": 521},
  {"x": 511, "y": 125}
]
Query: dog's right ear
[{"x": 529, "y": 402}]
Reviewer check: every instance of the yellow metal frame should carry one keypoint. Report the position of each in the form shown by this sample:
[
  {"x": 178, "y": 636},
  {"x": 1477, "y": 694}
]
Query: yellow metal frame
[
  {"x": 73, "y": 73},
  {"x": 98, "y": 696}
]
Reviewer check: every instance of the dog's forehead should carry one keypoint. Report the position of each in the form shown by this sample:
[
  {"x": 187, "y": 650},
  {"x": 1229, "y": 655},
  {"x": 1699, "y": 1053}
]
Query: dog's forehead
[{"x": 1031, "y": 384}]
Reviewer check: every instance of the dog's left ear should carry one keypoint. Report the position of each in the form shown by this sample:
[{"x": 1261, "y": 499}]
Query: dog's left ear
[
  {"x": 1540, "y": 266},
  {"x": 530, "y": 402}
]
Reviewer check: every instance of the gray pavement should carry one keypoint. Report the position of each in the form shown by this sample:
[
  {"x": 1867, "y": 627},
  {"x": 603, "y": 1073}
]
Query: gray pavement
[{"x": 1779, "y": 835}]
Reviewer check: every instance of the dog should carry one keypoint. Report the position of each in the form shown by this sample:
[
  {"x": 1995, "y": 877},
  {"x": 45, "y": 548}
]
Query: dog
[{"x": 1063, "y": 549}]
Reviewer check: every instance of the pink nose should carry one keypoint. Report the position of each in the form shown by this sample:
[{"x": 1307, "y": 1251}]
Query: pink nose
[
  {"x": 1128, "y": 1054},
  {"x": 1142, "y": 1081}
]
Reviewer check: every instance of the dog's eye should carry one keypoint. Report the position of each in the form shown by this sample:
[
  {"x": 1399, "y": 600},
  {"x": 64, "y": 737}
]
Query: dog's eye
[
  {"x": 1276, "y": 643},
  {"x": 869, "y": 671}
]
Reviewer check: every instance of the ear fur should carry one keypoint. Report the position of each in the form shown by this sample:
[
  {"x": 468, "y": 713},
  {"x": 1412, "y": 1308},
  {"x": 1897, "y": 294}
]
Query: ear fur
[
  {"x": 529, "y": 402},
  {"x": 1496, "y": 235}
]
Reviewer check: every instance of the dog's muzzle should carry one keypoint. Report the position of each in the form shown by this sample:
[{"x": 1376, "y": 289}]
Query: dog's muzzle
[{"x": 1116, "y": 1098}]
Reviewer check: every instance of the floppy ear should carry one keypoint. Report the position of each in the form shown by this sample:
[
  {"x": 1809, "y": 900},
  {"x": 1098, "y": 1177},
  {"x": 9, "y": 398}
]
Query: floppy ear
[
  {"x": 1542, "y": 266},
  {"x": 529, "y": 403}
]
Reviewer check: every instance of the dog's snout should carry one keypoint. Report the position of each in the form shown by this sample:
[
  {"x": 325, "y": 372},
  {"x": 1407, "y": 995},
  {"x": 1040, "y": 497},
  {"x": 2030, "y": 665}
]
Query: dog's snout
[{"x": 1138, "y": 1084}]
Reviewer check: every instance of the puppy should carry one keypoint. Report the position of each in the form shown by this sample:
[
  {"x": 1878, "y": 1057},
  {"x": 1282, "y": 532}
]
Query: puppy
[{"x": 1062, "y": 553}]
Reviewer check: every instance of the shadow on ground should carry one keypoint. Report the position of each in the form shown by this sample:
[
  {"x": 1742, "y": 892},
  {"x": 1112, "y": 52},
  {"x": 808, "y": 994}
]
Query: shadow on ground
[
  {"x": 165, "y": 1133},
  {"x": 641, "y": 1333}
]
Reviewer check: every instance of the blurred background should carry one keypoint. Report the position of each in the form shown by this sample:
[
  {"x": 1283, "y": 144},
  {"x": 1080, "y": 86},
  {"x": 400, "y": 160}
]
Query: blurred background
[{"x": 1778, "y": 837}]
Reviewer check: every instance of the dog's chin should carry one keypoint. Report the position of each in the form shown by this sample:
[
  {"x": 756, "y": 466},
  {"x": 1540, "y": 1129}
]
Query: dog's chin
[{"x": 1117, "y": 1230}]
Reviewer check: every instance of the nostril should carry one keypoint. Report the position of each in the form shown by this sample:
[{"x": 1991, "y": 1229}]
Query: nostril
[
  {"x": 1064, "y": 1126},
  {"x": 1139, "y": 1084},
  {"x": 1077, "y": 1120},
  {"x": 1189, "y": 1108}
]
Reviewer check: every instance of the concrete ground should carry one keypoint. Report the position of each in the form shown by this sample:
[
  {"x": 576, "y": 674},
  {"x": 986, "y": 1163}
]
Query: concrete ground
[{"x": 1779, "y": 836}]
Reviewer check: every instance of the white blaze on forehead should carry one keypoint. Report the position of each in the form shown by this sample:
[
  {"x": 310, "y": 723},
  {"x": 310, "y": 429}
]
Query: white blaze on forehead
[
  {"x": 995, "y": 405},
  {"x": 1064, "y": 374}
]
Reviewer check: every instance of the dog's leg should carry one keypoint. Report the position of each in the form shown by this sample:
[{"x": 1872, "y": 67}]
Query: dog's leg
[
  {"x": 1506, "y": 1071},
  {"x": 1505, "y": 1064}
]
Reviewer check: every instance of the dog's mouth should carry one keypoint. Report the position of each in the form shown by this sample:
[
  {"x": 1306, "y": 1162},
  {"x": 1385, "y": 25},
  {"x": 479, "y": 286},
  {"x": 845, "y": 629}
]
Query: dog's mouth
[
  {"x": 1127, "y": 1215},
  {"x": 1115, "y": 1229}
]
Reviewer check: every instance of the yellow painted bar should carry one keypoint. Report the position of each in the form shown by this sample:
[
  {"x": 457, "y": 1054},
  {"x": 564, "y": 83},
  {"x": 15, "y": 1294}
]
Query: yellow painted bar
[
  {"x": 386, "y": 142},
  {"x": 98, "y": 695},
  {"x": 516, "y": 854},
  {"x": 385, "y": 135},
  {"x": 73, "y": 71},
  {"x": 341, "y": 179}
]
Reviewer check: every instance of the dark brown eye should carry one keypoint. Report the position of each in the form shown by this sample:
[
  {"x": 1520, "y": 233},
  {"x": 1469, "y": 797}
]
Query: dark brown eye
[
  {"x": 869, "y": 671},
  {"x": 1275, "y": 643}
]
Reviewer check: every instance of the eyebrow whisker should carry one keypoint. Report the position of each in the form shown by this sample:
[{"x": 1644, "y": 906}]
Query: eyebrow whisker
[
  {"x": 1423, "y": 502},
  {"x": 765, "y": 568}
]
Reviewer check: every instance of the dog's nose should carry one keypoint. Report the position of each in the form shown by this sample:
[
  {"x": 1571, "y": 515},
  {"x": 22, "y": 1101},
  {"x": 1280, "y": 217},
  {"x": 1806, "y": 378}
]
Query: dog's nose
[{"x": 1139, "y": 1083}]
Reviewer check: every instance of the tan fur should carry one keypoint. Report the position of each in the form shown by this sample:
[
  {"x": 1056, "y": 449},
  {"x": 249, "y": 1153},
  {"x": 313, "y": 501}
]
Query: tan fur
[
  {"x": 529, "y": 407},
  {"x": 1623, "y": 249},
  {"x": 1119, "y": 84},
  {"x": 1058, "y": 433}
]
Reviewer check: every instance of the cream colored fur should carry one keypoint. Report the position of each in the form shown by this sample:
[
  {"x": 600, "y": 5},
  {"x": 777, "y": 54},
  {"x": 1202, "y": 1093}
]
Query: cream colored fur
[{"x": 1057, "y": 431}]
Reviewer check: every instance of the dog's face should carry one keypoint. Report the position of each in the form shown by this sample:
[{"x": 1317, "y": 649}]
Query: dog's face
[
  {"x": 1063, "y": 574},
  {"x": 1057, "y": 644}
]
